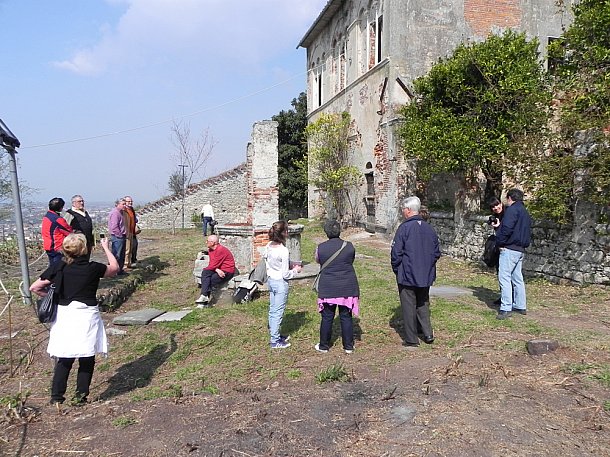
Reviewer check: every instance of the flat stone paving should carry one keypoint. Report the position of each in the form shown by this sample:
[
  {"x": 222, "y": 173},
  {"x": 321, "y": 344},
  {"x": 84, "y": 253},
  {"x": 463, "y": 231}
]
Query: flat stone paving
[
  {"x": 449, "y": 291},
  {"x": 137, "y": 317},
  {"x": 172, "y": 316}
]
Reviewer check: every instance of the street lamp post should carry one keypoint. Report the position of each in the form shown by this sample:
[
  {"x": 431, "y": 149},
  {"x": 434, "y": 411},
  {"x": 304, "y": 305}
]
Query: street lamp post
[
  {"x": 183, "y": 191},
  {"x": 9, "y": 142}
]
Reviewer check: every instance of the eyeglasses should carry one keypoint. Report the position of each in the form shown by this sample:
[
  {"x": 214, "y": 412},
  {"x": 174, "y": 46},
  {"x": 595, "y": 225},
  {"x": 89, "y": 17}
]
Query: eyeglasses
[{"x": 79, "y": 201}]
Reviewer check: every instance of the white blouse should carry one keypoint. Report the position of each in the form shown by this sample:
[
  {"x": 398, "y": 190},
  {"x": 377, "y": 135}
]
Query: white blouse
[{"x": 278, "y": 262}]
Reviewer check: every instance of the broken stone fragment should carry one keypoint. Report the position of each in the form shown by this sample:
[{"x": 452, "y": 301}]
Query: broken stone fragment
[{"x": 539, "y": 347}]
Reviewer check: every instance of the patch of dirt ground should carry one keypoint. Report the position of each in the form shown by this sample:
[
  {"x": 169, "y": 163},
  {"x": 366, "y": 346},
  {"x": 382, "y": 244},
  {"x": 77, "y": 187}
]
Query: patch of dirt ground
[{"x": 477, "y": 399}]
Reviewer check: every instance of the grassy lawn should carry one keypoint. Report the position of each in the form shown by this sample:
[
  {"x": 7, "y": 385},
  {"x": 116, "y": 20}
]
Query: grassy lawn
[{"x": 218, "y": 349}]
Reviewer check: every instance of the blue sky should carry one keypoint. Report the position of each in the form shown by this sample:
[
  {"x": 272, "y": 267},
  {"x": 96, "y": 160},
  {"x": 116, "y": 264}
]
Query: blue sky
[{"x": 74, "y": 69}]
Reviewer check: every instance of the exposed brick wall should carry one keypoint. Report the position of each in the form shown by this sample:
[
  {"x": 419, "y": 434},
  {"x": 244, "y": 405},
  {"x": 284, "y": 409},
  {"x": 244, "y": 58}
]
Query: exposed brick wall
[
  {"x": 261, "y": 238},
  {"x": 483, "y": 15}
]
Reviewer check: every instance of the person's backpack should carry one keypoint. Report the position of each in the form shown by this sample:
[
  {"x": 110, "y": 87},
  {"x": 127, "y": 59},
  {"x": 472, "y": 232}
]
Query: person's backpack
[
  {"x": 491, "y": 253},
  {"x": 245, "y": 292}
]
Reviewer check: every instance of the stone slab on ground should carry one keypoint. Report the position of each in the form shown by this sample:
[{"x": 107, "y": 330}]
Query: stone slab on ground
[
  {"x": 138, "y": 317},
  {"x": 115, "y": 331},
  {"x": 540, "y": 346},
  {"x": 449, "y": 291},
  {"x": 172, "y": 316}
]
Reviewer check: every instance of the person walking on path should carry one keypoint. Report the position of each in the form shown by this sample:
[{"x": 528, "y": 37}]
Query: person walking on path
[
  {"x": 337, "y": 288},
  {"x": 207, "y": 216},
  {"x": 513, "y": 237},
  {"x": 415, "y": 251}
]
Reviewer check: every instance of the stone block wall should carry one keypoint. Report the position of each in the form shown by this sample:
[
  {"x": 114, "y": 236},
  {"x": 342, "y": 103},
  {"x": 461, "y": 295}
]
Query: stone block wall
[
  {"x": 557, "y": 253},
  {"x": 227, "y": 192}
]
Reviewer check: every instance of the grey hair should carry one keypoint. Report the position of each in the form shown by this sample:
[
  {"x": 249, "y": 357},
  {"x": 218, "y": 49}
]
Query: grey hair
[
  {"x": 413, "y": 203},
  {"x": 74, "y": 197}
]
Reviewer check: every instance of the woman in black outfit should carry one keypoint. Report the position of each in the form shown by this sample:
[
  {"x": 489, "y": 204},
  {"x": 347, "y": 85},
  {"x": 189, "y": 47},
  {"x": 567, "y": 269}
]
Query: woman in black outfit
[
  {"x": 338, "y": 288},
  {"x": 497, "y": 213},
  {"x": 78, "y": 330}
]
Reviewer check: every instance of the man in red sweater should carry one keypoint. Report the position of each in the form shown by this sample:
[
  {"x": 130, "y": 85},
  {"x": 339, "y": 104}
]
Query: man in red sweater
[{"x": 221, "y": 268}]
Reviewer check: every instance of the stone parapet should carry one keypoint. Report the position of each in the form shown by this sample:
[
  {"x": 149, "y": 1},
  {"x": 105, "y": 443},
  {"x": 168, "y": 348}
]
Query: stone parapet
[{"x": 555, "y": 253}]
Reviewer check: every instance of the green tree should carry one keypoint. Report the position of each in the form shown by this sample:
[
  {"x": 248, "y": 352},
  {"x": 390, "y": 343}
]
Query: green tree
[
  {"x": 176, "y": 182},
  {"x": 581, "y": 77},
  {"x": 479, "y": 109},
  {"x": 328, "y": 140},
  {"x": 292, "y": 158}
]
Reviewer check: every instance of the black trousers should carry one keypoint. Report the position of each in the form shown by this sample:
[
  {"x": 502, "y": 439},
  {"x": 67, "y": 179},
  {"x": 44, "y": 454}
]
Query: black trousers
[
  {"x": 326, "y": 326},
  {"x": 210, "y": 279},
  {"x": 415, "y": 305},
  {"x": 83, "y": 377}
]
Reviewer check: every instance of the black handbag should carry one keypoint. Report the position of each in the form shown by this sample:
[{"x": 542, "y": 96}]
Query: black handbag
[
  {"x": 46, "y": 308},
  {"x": 491, "y": 253}
]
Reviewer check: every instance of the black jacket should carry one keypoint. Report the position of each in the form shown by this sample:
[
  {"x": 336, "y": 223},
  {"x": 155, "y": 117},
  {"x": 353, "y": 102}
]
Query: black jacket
[
  {"x": 415, "y": 250},
  {"x": 82, "y": 224},
  {"x": 338, "y": 279},
  {"x": 515, "y": 230}
]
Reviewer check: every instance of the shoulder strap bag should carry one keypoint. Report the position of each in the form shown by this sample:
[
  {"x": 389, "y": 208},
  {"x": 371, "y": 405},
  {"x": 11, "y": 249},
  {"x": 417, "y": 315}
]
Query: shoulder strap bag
[
  {"x": 325, "y": 264},
  {"x": 47, "y": 306}
]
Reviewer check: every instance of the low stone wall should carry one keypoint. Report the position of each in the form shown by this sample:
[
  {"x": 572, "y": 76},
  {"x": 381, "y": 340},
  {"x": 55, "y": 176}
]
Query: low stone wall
[
  {"x": 557, "y": 253},
  {"x": 227, "y": 192}
]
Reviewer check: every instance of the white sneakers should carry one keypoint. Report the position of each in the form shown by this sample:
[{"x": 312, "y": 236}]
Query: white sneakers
[{"x": 202, "y": 299}]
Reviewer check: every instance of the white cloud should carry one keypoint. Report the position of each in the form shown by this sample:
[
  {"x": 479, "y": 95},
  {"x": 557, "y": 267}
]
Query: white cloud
[{"x": 224, "y": 31}]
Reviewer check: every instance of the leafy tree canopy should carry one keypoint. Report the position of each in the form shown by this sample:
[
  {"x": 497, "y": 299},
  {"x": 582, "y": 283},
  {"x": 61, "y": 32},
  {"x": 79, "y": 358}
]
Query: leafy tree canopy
[
  {"x": 582, "y": 84},
  {"x": 292, "y": 158},
  {"x": 474, "y": 109},
  {"x": 329, "y": 162}
]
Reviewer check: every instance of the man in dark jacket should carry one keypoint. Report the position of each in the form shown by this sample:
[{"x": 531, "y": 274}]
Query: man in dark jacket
[
  {"x": 512, "y": 237},
  {"x": 80, "y": 221},
  {"x": 415, "y": 250}
]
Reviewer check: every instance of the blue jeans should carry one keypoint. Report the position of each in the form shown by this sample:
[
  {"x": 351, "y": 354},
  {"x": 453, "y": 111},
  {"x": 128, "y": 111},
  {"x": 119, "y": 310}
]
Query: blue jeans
[
  {"x": 206, "y": 221},
  {"x": 117, "y": 247},
  {"x": 54, "y": 257},
  {"x": 278, "y": 296},
  {"x": 511, "y": 280}
]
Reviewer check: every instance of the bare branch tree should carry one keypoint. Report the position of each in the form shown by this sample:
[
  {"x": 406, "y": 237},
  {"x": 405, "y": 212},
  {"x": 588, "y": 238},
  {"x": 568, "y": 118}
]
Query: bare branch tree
[{"x": 192, "y": 153}]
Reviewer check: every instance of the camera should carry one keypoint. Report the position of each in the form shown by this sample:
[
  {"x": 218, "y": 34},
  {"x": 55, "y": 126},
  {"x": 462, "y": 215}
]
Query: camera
[
  {"x": 102, "y": 236},
  {"x": 492, "y": 220}
]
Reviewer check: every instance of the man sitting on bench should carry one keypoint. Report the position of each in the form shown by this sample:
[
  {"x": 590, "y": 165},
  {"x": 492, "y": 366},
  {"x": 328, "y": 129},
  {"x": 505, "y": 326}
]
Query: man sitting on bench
[{"x": 220, "y": 269}]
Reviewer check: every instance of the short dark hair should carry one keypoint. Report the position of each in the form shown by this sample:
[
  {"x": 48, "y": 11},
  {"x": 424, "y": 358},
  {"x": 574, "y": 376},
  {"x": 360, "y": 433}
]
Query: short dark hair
[
  {"x": 56, "y": 204},
  {"x": 332, "y": 229},
  {"x": 277, "y": 232},
  {"x": 515, "y": 195},
  {"x": 493, "y": 201}
]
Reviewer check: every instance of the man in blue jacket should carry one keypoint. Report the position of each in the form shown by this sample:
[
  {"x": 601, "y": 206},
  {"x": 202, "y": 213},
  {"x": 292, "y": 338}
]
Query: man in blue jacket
[
  {"x": 415, "y": 250},
  {"x": 512, "y": 237}
]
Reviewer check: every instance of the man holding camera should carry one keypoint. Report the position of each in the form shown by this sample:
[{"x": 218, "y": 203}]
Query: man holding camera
[{"x": 512, "y": 237}]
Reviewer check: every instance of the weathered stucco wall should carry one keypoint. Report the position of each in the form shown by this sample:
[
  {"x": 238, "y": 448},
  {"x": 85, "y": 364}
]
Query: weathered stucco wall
[
  {"x": 557, "y": 253},
  {"x": 362, "y": 58},
  {"x": 227, "y": 192}
]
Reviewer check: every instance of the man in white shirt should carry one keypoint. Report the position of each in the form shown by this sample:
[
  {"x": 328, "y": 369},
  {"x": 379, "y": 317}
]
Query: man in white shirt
[{"x": 207, "y": 216}]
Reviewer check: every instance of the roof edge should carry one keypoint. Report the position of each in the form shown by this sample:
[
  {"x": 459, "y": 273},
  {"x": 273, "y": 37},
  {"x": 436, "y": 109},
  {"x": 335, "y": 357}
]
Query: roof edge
[{"x": 323, "y": 18}]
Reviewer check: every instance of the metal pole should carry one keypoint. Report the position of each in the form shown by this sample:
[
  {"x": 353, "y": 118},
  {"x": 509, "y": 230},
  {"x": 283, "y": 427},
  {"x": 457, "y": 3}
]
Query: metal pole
[
  {"x": 183, "y": 190},
  {"x": 23, "y": 256}
]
